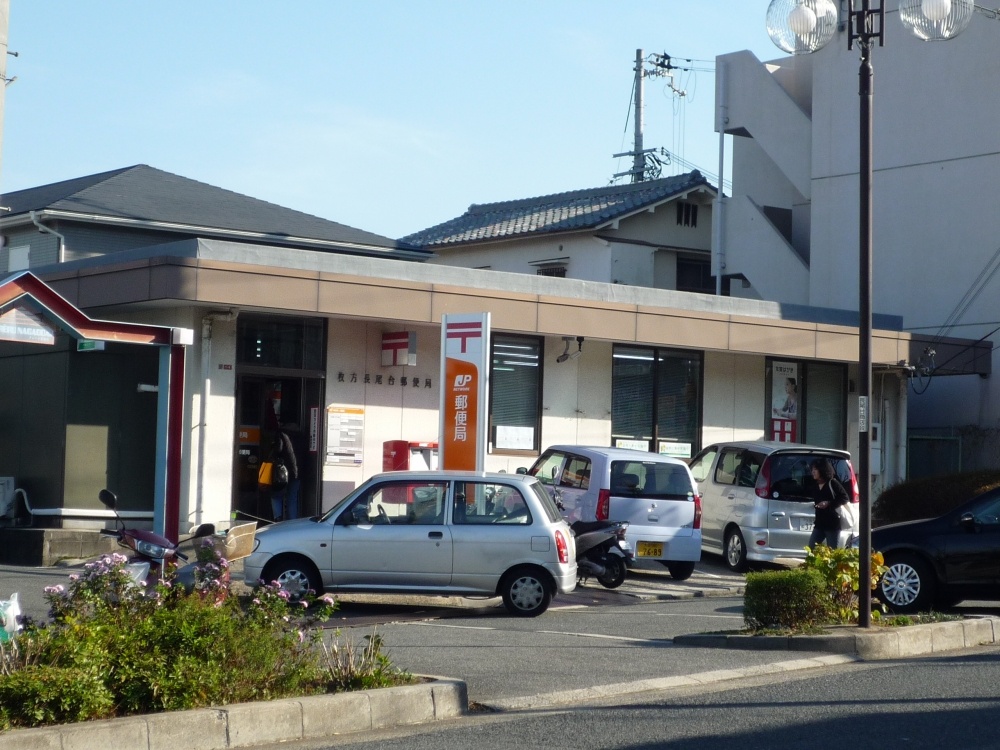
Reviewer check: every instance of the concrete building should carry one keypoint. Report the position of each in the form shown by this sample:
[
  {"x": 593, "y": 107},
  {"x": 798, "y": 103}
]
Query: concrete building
[
  {"x": 789, "y": 232},
  {"x": 289, "y": 314}
]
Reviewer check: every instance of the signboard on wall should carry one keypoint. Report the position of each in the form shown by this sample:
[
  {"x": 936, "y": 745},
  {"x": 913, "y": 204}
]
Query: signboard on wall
[
  {"x": 784, "y": 421},
  {"x": 18, "y": 324},
  {"x": 465, "y": 352}
]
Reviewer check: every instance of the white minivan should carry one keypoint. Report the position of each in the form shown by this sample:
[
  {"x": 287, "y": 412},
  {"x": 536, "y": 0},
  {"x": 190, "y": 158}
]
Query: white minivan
[
  {"x": 757, "y": 498},
  {"x": 655, "y": 494}
]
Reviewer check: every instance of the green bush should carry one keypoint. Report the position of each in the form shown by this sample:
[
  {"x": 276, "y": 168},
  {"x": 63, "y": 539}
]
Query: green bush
[
  {"x": 930, "y": 497},
  {"x": 115, "y": 649},
  {"x": 840, "y": 569},
  {"x": 42, "y": 694},
  {"x": 786, "y": 599}
]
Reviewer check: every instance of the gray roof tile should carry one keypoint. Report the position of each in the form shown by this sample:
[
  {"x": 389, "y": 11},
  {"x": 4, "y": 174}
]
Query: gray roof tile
[
  {"x": 561, "y": 212},
  {"x": 143, "y": 193}
]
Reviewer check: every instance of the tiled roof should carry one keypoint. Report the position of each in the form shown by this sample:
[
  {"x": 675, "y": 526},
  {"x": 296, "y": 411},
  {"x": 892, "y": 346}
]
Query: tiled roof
[
  {"x": 562, "y": 212},
  {"x": 142, "y": 193}
]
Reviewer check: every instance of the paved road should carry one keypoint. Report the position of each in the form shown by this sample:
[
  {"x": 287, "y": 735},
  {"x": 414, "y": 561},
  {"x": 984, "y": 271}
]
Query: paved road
[{"x": 918, "y": 704}]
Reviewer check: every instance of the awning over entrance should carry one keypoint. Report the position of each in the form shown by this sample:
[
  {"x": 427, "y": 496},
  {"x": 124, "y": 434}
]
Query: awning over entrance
[{"x": 32, "y": 313}]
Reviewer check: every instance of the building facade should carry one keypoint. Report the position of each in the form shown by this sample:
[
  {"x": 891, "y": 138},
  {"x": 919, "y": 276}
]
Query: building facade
[
  {"x": 789, "y": 231},
  {"x": 297, "y": 337}
]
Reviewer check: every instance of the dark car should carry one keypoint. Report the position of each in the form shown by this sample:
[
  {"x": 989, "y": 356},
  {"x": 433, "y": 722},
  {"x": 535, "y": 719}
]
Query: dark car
[{"x": 938, "y": 562}]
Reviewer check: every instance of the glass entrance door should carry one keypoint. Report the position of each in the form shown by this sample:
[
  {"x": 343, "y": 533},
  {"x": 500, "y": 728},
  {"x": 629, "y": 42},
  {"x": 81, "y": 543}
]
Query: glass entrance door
[{"x": 265, "y": 404}]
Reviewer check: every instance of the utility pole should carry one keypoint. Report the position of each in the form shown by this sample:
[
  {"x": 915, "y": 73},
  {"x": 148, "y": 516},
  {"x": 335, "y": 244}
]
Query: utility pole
[
  {"x": 4, "y": 19},
  {"x": 659, "y": 66},
  {"x": 638, "y": 157}
]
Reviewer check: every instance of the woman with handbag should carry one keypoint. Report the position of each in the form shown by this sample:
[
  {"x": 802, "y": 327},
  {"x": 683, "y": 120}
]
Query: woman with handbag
[
  {"x": 829, "y": 495},
  {"x": 285, "y": 478}
]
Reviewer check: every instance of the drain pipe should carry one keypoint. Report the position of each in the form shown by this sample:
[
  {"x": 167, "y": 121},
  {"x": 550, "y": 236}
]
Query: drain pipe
[
  {"x": 206, "y": 392},
  {"x": 48, "y": 230}
]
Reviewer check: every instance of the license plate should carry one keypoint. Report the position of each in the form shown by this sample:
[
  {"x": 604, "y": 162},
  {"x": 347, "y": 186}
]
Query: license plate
[
  {"x": 805, "y": 525},
  {"x": 650, "y": 549}
]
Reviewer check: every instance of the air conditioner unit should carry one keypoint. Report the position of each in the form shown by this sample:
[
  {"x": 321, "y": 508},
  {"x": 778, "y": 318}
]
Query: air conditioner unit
[{"x": 7, "y": 504}]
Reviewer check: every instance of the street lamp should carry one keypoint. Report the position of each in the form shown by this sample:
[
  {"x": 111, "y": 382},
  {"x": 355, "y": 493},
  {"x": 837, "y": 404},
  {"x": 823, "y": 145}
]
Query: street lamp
[{"x": 801, "y": 27}]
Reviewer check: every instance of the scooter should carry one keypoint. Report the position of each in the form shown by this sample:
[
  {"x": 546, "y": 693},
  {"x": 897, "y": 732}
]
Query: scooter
[
  {"x": 153, "y": 556},
  {"x": 601, "y": 551}
]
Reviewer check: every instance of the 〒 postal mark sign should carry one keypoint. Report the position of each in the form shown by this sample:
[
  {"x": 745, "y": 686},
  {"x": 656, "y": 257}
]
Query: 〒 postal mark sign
[{"x": 465, "y": 351}]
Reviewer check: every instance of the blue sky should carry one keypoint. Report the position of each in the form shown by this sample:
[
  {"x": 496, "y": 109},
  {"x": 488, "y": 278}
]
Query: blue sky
[{"x": 390, "y": 116}]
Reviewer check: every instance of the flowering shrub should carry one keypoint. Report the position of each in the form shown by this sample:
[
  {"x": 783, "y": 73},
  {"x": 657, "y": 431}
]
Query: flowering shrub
[
  {"x": 211, "y": 573},
  {"x": 115, "y": 647}
]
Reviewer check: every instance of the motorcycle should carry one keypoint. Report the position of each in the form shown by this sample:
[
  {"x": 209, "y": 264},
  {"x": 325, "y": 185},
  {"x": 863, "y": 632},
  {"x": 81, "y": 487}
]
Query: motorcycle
[
  {"x": 601, "y": 551},
  {"x": 153, "y": 556}
]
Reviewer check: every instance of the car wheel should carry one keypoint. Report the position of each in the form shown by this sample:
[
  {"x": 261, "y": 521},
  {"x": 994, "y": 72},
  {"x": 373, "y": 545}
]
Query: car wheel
[
  {"x": 907, "y": 586},
  {"x": 615, "y": 572},
  {"x": 735, "y": 549},
  {"x": 293, "y": 574},
  {"x": 525, "y": 593},
  {"x": 679, "y": 571}
]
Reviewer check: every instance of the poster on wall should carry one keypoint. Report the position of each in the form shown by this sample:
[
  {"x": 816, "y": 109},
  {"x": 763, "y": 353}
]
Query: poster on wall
[
  {"x": 345, "y": 427},
  {"x": 784, "y": 402},
  {"x": 465, "y": 351}
]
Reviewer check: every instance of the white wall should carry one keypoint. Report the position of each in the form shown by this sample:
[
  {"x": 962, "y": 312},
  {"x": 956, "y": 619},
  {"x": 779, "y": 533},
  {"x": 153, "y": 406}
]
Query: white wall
[{"x": 936, "y": 230}]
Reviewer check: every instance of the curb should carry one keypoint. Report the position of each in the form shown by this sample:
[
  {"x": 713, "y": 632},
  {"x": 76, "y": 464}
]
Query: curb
[
  {"x": 247, "y": 724},
  {"x": 867, "y": 644}
]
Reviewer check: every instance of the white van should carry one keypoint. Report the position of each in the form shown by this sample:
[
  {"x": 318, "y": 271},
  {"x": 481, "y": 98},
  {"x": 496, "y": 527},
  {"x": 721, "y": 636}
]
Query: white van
[
  {"x": 655, "y": 494},
  {"x": 757, "y": 498}
]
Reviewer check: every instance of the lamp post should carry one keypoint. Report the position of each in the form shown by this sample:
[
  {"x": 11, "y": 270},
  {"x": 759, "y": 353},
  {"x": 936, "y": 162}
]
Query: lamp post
[{"x": 801, "y": 27}]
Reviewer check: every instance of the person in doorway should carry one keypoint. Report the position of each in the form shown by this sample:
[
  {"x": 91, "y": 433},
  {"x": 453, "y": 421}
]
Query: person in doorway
[
  {"x": 285, "y": 501},
  {"x": 828, "y": 494},
  {"x": 790, "y": 408}
]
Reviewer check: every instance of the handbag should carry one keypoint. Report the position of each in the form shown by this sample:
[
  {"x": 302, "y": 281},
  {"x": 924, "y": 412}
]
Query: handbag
[
  {"x": 845, "y": 513},
  {"x": 265, "y": 474},
  {"x": 279, "y": 476}
]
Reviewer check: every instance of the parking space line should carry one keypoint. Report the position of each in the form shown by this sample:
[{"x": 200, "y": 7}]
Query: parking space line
[{"x": 606, "y": 637}]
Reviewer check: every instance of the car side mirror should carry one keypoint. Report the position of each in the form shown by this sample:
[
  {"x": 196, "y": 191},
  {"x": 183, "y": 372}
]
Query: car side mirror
[
  {"x": 522, "y": 470},
  {"x": 968, "y": 522},
  {"x": 358, "y": 514}
]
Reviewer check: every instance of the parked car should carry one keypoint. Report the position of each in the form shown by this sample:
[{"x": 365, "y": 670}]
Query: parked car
[
  {"x": 757, "y": 498},
  {"x": 655, "y": 494},
  {"x": 428, "y": 532},
  {"x": 938, "y": 562}
]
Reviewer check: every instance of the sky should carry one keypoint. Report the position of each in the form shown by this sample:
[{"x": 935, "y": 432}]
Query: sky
[{"x": 390, "y": 116}]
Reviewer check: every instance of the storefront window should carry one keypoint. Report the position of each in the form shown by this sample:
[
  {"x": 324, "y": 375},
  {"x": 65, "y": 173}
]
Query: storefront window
[
  {"x": 515, "y": 393},
  {"x": 656, "y": 400}
]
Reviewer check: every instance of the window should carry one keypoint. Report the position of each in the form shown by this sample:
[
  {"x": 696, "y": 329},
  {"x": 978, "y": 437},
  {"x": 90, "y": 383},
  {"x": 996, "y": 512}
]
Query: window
[
  {"x": 515, "y": 393},
  {"x": 687, "y": 214},
  {"x": 808, "y": 403},
  {"x": 554, "y": 271},
  {"x": 400, "y": 503},
  {"x": 656, "y": 400},
  {"x": 481, "y": 503},
  {"x": 287, "y": 342},
  {"x": 695, "y": 276}
]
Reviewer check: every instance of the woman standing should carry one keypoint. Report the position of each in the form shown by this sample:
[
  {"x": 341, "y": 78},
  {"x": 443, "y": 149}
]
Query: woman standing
[{"x": 829, "y": 494}]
